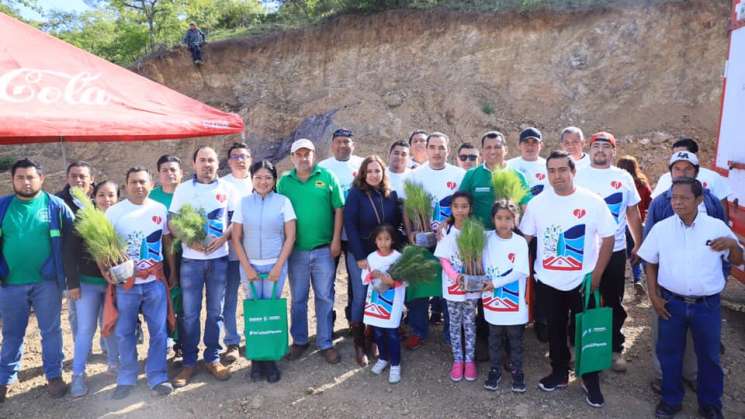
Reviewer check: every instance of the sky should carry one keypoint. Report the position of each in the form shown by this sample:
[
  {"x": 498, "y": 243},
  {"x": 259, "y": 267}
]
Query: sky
[{"x": 66, "y": 5}]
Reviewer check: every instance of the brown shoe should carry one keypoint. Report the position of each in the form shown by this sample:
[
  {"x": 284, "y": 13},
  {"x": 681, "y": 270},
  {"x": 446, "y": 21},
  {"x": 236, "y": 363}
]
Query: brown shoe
[
  {"x": 183, "y": 377},
  {"x": 56, "y": 388},
  {"x": 296, "y": 351},
  {"x": 331, "y": 356},
  {"x": 219, "y": 371},
  {"x": 3, "y": 392},
  {"x": 231, "y": 354}
]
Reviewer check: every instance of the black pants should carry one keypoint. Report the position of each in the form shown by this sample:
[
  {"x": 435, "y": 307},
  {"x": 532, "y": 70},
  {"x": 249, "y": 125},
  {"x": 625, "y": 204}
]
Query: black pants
[
  {"x": 538, "y": 303},
  {"x": 560, "y": 305},
  {"x": 511, "y": 339},
  {"x": 612, "y": 290},
  {"x": 196, "y": 52}
]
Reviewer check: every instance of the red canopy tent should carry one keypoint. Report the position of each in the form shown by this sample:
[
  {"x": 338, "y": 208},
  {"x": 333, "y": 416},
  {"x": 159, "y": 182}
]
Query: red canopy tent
[{"x": 51, "y": 91}]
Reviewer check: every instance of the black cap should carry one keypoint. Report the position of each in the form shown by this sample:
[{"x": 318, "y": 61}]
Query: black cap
[
  {"x": 531, "y": 132},
  {"x": 342, "y": 132}
]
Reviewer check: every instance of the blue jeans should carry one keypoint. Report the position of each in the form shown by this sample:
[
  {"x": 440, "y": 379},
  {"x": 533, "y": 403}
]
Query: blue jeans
[
  {"x": 15, "y": 305},
  {"x": 264, "y": 287},
  {"x": 88, "y": 306},
  {"x": 151, "y": 298},
  {"x": 704, "y": 320},
  {"x": 418, "y": 317},
  {"x": 389, "y": 344},
  {"x": 305, "y": 268},
  {"x": 196, "y": 276},
  {"x": 231, "y": 304},
  {"x": 359, "y": 291}
]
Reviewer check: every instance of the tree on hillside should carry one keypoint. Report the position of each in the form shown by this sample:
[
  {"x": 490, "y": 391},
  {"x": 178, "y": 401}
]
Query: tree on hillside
[
  {"x": 12, "y": 7},
  {"x": 150, "y": 10}
]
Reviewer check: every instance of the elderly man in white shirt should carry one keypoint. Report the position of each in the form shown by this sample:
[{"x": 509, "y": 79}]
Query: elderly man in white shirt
[{"x": 684, "y": 256}]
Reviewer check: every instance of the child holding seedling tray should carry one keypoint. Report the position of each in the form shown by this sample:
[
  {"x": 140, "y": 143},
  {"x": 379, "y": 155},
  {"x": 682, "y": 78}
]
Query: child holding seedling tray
[
  {"x": 504, "y": 300},
  {"x": 460, "y": 253}
]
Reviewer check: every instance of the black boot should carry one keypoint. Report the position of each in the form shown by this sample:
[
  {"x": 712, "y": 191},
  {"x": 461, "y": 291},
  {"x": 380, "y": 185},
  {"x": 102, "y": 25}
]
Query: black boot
[
  {"x": 257, "y": 371},
  {"x": 272, "y": 372}
]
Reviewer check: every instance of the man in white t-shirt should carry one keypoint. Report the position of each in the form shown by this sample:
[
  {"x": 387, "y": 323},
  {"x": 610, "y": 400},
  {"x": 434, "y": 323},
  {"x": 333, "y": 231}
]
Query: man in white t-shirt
[
  {"x": 575, "y": 233},
  {"x": 440, "y": 179},
  {"x": 616, "y": 187},
  {"x": 398, "y": 166},
  {"x": 344, "y": 164},
  {"x": 239, "y": 161},
  {"x": 418, "y": 145},
  {"x": 204, "y": 265},
  {"x": 711, "y": 180},
  {"x": 572, "y": 140},
  {"x": 142, "y": 224},
  {"x": 530, "y": 163}
]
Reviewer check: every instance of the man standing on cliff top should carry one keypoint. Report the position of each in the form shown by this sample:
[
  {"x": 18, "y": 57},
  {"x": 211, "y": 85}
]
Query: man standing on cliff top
[{"x": 194, "y": 39}]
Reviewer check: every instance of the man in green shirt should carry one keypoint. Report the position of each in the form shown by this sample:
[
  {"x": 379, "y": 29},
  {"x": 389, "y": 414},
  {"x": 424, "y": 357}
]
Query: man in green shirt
[
  {"x": 318, "y": 202},
  {"x": 169, "y": 175},
  {"x": 31, "y": 273},
  {"x": 478, "y": 181}
]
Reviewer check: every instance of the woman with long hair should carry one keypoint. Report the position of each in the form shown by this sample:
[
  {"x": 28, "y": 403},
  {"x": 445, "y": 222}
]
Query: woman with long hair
[
  {"x": 370, "y": 203},
  {"x": 631, "y": 165}
]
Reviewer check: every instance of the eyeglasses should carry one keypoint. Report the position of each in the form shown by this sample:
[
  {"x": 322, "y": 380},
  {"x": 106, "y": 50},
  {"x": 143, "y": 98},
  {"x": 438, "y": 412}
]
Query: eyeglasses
[
  {"x": 240, "y": 157},
  {"x": 470, "y": 157}
]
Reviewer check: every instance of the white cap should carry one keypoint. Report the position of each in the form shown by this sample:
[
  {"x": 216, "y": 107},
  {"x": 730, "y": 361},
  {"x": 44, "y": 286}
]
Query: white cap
[
  {"x": 302, "y": 143},
  {"x": 684, "y": 156}
]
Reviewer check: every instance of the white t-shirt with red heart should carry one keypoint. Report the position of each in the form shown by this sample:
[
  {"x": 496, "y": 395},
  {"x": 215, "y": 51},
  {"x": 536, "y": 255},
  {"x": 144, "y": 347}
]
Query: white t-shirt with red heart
[
  {"x": 534, "y": 172},
  {"x": 216, "y": 199},
  {"x": 616, "y": 187},
  {"x": 568, "y": 230},
  {"x": 506, "y": 264},
  {"x": 142, "y": 228},
  {"x": 441, "y": 184},
  {"x": 447, "y": 248}
]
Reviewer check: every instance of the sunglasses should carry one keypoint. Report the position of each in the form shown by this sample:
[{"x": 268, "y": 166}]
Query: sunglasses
[{"x": 470, "y": 157}]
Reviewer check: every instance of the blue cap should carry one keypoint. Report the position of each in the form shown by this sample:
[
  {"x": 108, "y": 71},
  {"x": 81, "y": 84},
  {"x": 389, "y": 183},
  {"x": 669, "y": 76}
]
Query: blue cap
[{"x": 531, "y": 132}]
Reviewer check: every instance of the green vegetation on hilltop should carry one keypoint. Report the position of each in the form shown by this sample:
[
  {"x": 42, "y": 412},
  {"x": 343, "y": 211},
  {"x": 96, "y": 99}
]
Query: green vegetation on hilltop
[{"x": 123, "y": 31}]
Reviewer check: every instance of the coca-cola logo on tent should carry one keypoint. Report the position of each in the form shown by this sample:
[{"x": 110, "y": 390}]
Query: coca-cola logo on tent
[{"x": 25, "y": 85}]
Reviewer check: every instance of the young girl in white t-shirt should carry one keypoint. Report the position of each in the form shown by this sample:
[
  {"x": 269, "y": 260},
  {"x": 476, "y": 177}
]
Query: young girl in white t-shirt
[
  {"x": 462, "y": 306},
  {"x": 505, "y": 306},
  {"x": 383, "y": 310}
]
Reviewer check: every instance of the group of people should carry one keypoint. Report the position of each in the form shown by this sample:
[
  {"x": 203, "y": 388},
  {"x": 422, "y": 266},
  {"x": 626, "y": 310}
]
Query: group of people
[{"x": 580, "y": 214}]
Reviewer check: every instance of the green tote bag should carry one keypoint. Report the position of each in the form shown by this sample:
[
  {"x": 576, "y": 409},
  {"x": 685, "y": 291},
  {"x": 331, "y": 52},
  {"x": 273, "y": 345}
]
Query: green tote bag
[
  {"x": 265, "y": 326},
  {"x": 594, "y": 332}
]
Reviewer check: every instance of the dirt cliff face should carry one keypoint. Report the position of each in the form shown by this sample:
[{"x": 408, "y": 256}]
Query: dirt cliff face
[{"x": 645, "y": 73}]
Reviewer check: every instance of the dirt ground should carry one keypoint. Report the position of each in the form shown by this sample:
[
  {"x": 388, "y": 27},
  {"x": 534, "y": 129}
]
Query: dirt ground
[{"x": 311, "y": 388}]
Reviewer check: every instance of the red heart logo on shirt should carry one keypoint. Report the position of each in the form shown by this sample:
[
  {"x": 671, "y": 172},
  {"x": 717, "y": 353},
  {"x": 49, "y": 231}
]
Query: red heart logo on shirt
[
  {"x": 354, "y": 174},
  {"x": 579, "y": 213},
  {"x": 705, "y": 185},
  {"x": 615, "y": 184},
  {"x": 540, "y": 176},
  {"x": 157, "y": 219},
  {"x": 511, "y": 257},
  {"x": 451, "y": 185},
  {"x": 221, "y": 198}
]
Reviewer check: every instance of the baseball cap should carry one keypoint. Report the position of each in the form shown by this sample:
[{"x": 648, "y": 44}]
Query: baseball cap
[
  {"x": 683, "y": 156},
  {"x": 302, "y": 143},
  {"x": 603, "y": 136},
  {"x": 342, "y": 132},
  {"x": 531, "y": 132}
]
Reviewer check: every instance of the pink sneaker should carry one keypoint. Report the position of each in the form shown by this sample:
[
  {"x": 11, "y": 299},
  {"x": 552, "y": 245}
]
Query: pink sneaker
[
  {"x": 471, "y": 373},
  {"x": 456, "y": 373}
]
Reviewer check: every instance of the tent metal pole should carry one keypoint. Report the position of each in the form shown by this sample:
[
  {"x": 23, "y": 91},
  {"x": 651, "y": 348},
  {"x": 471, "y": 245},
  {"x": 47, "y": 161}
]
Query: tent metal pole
[{"x": 64, "y": 155}]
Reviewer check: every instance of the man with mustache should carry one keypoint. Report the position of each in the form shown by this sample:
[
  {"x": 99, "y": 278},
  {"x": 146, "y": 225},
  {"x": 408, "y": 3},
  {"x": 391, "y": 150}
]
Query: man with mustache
[
  {"x": 616, "y": 187},
  {"x": 33, "y": 223}
]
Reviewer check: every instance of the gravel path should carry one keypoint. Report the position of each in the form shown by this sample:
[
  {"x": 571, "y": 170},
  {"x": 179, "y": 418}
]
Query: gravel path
[{"x": 312, "y": 388}]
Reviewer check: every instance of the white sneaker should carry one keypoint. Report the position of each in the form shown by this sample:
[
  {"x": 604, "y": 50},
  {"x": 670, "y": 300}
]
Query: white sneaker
[
  {"x": 394, "y": 375},
  {"x": 379, "y": 366},
  {"x": 619, "y": 363}
]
